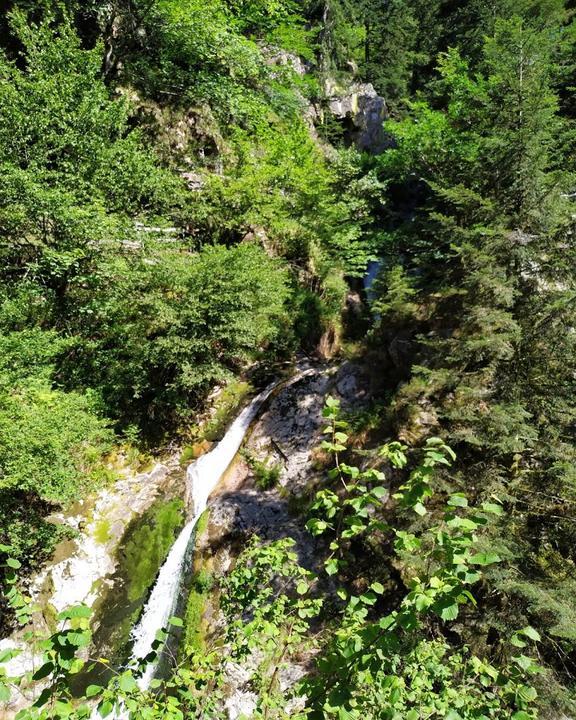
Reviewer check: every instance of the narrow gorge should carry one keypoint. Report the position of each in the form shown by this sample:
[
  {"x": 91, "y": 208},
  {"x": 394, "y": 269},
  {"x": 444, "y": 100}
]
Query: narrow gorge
[{"x": 287, "y": 380}]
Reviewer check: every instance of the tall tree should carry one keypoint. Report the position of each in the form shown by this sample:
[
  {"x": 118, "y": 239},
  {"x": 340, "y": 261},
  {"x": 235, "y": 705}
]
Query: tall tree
[{"x": 490, "y": 260}]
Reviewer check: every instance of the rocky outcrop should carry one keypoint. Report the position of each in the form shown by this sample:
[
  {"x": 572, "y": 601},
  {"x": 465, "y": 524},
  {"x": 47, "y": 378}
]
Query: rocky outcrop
[
  {"x": 287, "y": 435},
  {"x": 357, "y": 105},
  {"x": 81, "y": 570},
  {"x": 80, "y": 576},
  {"x": 281, "y": 58},
  {"x": 363, "y": 111}
]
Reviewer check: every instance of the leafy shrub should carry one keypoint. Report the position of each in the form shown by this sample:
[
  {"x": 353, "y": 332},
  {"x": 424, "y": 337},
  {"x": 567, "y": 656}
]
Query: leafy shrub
[
  {"x": 266, "y": 475},
  {"x": 167, "y": 327}
]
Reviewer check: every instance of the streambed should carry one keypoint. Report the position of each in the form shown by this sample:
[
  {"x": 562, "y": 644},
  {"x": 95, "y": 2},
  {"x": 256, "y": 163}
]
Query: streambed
[
  {"x": 291, "y": 420},
  {"x": 143, "y": 550}
]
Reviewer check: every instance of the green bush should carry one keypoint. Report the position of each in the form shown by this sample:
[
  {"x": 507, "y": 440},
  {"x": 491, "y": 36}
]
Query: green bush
[
  {"x": 266, "y": 475},
  {"x": 167, "y": 327},
  {"x": 52, "y": 444}
]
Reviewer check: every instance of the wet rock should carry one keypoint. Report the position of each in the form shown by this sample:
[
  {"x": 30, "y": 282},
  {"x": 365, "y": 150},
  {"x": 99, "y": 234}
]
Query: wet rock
[
  {"x": 329, "y": 343},
  {"x": 290, "y": 429}
]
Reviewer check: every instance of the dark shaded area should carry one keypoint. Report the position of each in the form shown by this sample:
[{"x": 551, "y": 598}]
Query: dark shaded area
[{"x": 32, "y": 538}]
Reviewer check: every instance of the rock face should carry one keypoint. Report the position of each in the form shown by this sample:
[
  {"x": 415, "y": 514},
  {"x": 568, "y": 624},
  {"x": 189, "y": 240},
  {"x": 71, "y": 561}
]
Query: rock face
[
  {"x": 78, "y": 577},
  {"x": 364, "y": 111},
  {"x": 287, "y": 435},
  {"x": 278, "y": 57},
  {"x": 358, "y": 106}
]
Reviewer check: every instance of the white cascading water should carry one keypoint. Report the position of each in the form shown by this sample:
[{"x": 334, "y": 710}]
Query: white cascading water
[{"x": 201, "y": 480}]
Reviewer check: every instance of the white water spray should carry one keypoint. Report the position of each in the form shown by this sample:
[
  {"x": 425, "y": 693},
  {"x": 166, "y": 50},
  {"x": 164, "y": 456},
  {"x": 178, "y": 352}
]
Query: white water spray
[{"x": 201, "y": 480}]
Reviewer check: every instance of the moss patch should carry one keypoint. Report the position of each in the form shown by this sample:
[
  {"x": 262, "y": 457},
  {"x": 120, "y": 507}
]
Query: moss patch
[
  {"x": 188, "y": 454},
  {"x": 194, "y": 636},
  {"x": 201, "y": 585},
  {"x": 228, "y": 403},
  {"x": 145, "y": 547},
  {"x": 149, "y": 545},
  {"x": 102, "y": 531}
]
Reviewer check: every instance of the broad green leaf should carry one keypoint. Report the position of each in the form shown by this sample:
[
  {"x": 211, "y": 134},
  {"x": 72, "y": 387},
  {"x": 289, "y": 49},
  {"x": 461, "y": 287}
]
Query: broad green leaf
[
  {"x": 531, "y": 633},
  {"x": 8, "y": 654},
  {"x": 450, "y": 612},
  {"x": 422, "y": 602},
  {"x": 76, "y": 611},
  {"x": 485, "y": 559},
  {"x": 525, "y": 662},
  {"x": 80, "y": 638},
  {"x": 458, "y": 500},
  {"x": 492, "y": 508},
  {"x": 127, "y": 682},
  {"x": 527, "y": 693},
  {"x": 44, "y": 671},
  {"x": 517, "y": 641},
  {"x": 331, "y": 566},
  {"x": 105, "y": 708},
  {"x": 368, "y": 598},
  {"x": 463, "y": 523}
]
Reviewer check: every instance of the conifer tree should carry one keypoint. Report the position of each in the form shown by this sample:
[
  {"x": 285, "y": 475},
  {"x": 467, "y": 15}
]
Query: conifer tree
[{"x": 488, "y": 250}]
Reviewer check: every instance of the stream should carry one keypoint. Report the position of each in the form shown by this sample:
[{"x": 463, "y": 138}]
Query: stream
[{"x": 202, "y": 478}]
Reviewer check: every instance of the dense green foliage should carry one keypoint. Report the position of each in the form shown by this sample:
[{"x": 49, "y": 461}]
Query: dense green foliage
[
  {"x": 479, "y": 281},
  {"x": 124, "y": 295},
  {"x": 170, "y": 216}
]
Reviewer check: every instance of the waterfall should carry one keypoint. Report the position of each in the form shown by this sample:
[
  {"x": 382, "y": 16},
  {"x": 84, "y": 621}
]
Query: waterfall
[
  {"x": 372, "y": 271},
  {"x": 201, "y": 480}
]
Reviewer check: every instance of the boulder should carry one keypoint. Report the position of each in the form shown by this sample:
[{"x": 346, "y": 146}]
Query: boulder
[{"x": 364, "y": 111}]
